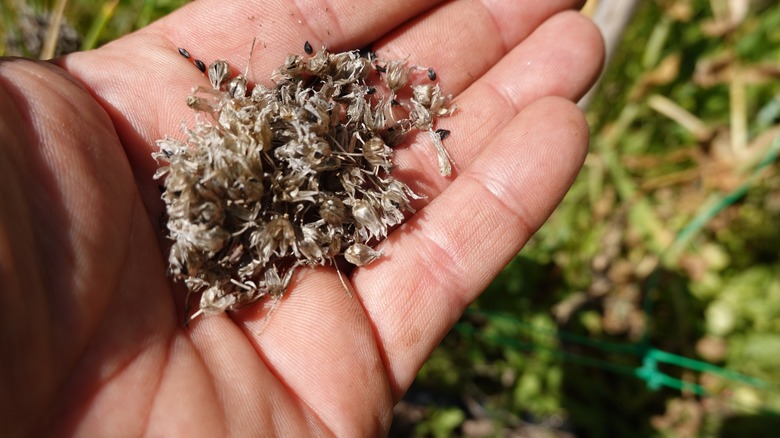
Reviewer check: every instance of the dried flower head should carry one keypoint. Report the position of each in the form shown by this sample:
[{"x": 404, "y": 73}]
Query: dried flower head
[{"x": 274, "y": 178}]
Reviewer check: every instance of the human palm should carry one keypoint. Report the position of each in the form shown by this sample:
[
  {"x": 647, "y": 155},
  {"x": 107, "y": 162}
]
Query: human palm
[{"x": 90, "y": 326}]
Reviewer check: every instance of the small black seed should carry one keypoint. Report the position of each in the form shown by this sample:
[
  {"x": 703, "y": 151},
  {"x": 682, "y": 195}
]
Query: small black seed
[
  {"x": 161, "y": 188},
  {"x": 201, "y": 66},
  {"x": 367, "y": 53},
  {"x": 183, "y": 52},
  {"x": 380, "y": 69},
  {"x": 371, "y": 90},
  {"x": 431, "y": 74},
  {"x": 307, "y": 48},
  {"x": 394, "y": 102},
  {"x": 443, "y": 133}
]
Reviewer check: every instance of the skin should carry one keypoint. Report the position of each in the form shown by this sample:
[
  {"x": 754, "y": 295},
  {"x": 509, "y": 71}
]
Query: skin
[{"x": 90, "y": 326}]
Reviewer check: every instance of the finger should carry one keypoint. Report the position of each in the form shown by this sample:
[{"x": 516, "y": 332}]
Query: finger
[
  {"x": 226, "y": 388},
  {"x": 65, "y": 181},
  {"x": 438, "y": 262},
  {"x": 318, "y": 340},
  {"x": 462, "y": 40},
  {"x": 226, "y": 28},
  {"x": 80, "y": 274},
  {"x": 563, "y": 57}
]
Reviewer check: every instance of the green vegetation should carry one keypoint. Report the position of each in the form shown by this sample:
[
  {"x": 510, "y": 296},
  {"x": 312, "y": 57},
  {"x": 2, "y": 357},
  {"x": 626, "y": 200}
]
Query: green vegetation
[{"x": 665, "y": 249}]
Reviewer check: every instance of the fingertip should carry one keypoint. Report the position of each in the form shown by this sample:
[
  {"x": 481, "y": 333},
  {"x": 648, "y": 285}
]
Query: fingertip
[
  {"x": 530, "y": 165},
  {"x": 560, "y": 143},
  {"x": 564, "y": 122},
  {"x": 586, "y": 49}
]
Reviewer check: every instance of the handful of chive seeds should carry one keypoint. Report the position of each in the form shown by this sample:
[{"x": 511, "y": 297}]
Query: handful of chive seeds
[{"x": 297, "y": 174}]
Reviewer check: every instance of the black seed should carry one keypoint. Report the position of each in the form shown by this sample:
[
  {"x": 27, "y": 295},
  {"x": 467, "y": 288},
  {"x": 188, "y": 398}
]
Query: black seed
[
  {"x": 380, "y": 69},
  {"x": 367, "y": 53},
  {"x": 184, "y": 53},
  {"x": 161, "y": 188},
  {"x": 394, "y": 102},
  {"x": 443, "y": 133},
  {"x": 431, "y": 74},
  {"x": 371, "y": 90},
  {"x": 201, "y": 66},
  {"x": 307, "y": 48}
]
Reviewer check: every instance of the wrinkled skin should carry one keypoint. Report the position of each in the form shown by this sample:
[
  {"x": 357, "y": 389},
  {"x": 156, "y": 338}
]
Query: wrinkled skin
[{"x": 90, "y": 326}]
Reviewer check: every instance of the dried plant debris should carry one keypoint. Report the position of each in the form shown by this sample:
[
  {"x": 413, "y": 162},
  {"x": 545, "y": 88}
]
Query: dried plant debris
[{"x": 297, "y": 174}]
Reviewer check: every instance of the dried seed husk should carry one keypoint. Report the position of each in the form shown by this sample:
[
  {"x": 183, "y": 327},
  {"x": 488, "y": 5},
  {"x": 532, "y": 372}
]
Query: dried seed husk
[
  {"x": 295, "y": 174},
  {"x": 361, "y": 255}
]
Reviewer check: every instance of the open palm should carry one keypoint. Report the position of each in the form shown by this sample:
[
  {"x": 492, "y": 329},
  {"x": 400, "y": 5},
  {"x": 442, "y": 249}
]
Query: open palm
[{"x": 90, "y": 326}]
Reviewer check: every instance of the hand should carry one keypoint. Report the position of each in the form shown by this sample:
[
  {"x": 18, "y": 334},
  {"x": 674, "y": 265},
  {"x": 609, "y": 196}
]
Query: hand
[{"x": 89, "y": 333}]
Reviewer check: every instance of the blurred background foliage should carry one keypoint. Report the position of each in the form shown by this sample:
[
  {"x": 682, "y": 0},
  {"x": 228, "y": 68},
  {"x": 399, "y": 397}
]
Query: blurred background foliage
[{"x": 649, "y": 304}]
